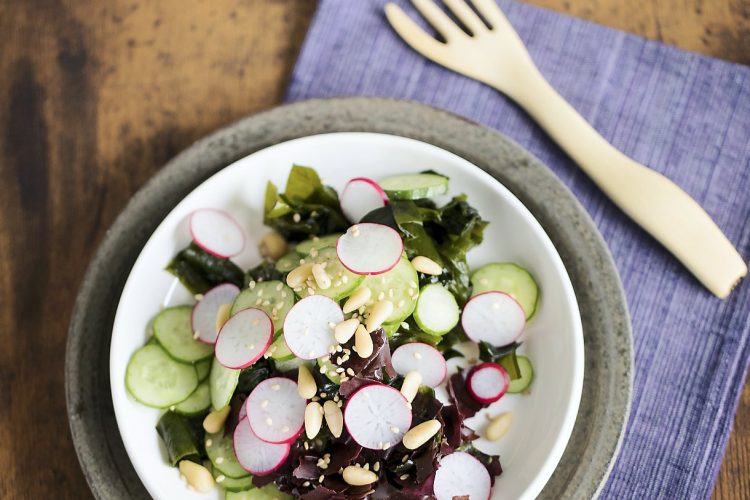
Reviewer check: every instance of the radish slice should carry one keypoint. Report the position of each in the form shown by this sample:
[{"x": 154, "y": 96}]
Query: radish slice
[
  {"x": 360, "y": 197},
  {"x": 377, "y": 416},
  {"x": 307, "y": 327},
  {"x": 487, "y": 382},
  {"x": 205, "y": 311},
  {"x": 493, "y": 317},
  {"x": 275, "y": 410},
  {"x": 243, "y": 412},
  {"x": 462, "y": 475},
  {"x": 369, "y": 248},
  {"x": 216, "y": 232},
  {"x": 244, "y": 338},
  {"x": 255, "y": 455},
  {"x": 422, "y": 358}
]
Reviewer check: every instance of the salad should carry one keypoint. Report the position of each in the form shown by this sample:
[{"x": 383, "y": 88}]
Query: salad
[{"x": 314, "y": 374}]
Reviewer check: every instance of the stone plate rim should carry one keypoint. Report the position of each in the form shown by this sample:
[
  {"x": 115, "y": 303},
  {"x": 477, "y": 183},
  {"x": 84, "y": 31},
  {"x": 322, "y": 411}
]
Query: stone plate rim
[{"x": 608, "y": 374}]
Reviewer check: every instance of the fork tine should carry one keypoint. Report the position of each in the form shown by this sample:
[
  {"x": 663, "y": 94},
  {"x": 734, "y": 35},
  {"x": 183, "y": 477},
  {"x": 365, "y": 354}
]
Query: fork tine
[
  {"x": 467, "y": 16},
  {"x": 412, "y": 34},
  {"x": 437, "y": 18},
  {"x": 492, "y": 13}
]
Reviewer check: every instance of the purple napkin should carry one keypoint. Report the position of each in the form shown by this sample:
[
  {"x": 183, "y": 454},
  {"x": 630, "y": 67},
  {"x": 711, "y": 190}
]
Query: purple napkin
[{"x": 683, "y": 114}]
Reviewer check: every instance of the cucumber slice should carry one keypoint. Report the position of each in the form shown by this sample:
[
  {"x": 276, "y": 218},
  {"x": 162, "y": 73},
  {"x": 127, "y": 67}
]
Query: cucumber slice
[
  {"x": 414, "y": 186},
  {"x": 390, "y": 328},
  {"x": 330, "y": 370},
  {"x": 511, "y": 279},
  {"x": 437, "y": 311},
  {"x": 316, "y": 243},
  {"x": 279, "y": 350},
  {"x": 288, "y": 262},
  {"x": 174, "y": 331},
  {"x": 343, "y": 281},
  {"x": 232, "y": 483},
  {"x": 202, "y": 369},
  {"x": 198, "y": 402},
  {"x": 268, "y": 492},
  {"x": 220, "y": 452},
  {"x": 396, "y": 285},
  {"x": 222, "y": 382},
  {"x": 155, "y": 379},
  {"x": 527, "y": 376},
  {"x": 272, "y": 297},
  {"x": 289, "y": 364}
]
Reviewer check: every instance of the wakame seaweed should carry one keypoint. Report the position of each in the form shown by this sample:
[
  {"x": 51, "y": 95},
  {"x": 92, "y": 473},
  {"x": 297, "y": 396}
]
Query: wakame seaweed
[
  {"x": 444, "y": 234},
  {"x": 179, "y": 438},
  {"x": 200, "y": 271},
  {"x": 306, "y": 208},
  {"x": 505, "y": 356}
]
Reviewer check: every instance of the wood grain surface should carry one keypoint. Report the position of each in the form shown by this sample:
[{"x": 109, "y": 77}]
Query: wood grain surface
[{"x": 96, "y": 96}]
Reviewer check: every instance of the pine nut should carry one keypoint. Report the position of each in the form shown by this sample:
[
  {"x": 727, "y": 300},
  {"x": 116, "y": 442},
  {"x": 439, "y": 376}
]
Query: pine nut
[
  {"x": 426, "y": 265},
  {"x": 378, "y": 314},
  {"x": 345, "y": 330},
  {"x": 498, "y": 426},
  {"x": 420, "y": 434},
  {"x": 362, "y": 343},
  {"x": 313, "y": 419},
  {"x": 299, "y": 275},
  {"x": 214, "y": 421},
  {"x": 197, "y": 476},
  {"x": 411, "y": 384},
  {"x": 356, "y": 300},
  {"x": 321, "y": 277},
  {"x": 222, "y": 315},
  {"x": 272, "y": 246},
  {"x": 357, "y": 476},
  {"x": 334, "y": 418},
  {"x": 305, "y": 383}
]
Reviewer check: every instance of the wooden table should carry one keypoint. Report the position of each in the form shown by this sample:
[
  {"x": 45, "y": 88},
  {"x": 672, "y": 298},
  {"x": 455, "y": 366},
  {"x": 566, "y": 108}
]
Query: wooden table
[{"x": 96, "y": 96}]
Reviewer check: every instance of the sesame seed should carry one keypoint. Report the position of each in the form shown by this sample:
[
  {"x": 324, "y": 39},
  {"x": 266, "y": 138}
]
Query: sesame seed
[
  {"x": 341, "y": 403},
  {"x": 257, "y": 302},
  {"x": 401, "y": 303},
  {"x": 196, "y": 334},
  {"x": 331, "y": 348},
  {"x": 306, "y": 484},
  {"x": 380, "y": 444},
  {"x": 404, "y": 477},
  {"x": 311, "y": 354},
  {"x": 275, "y": 387},
  {"x": 301, "y": 261},
  {"x": 411, "y": 292},
  {"x": 336, "y": 399},
  {"x": 350, "y": 372},
  {"x": 321, "y": 478},
  {"x": 283, "y": 294},
  {"x": 366, "y": 467},
  {"x": 198, "y": 296},
  {"x": 386, "y": 445},
  {"x": 376, "y": 467},
  {"x": 264, "y": 403},
  {"x": 347, "y": 351},
  {"x": 413, "y": 284},
  {"x": 251, "y": 285},
  {"x": 323, "y": 369},
  {"x": 395, "y": 429},
  {"x": 345, "y": 279},
  {"x": 220, "y": 460},
  {"x": 269, "y": 421},
  {"x": 315, "y": 399},
  {"x": 285, "y": 428},
  {"x": 331, "y": 325},
  {"x": 171, "y": 408},
  {"x": 209, "y": 442},
  {"x": 339, "y": 348},
  {"x": 403, "y": 460},
  {"x": 307, "y": 446},
  {"x": 496, "y": 305},
  {"x": 405, "y": 325},
  {"x": 339, "y": 370},
  {"x": 266, "y": 302},
  {"x": 323, "y": 395},
  {"x": 296, "y": 217},
  {"x": 323, "y": 466},
  {"x": 417, "y": 355},
  {"x": 220, "y": 478}
]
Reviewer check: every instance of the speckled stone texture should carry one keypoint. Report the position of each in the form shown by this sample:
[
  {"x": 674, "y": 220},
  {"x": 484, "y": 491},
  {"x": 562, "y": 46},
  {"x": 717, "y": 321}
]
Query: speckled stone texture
[{"x": 607, "y": 382}]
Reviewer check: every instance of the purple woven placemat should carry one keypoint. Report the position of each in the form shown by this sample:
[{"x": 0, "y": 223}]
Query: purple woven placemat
[{"x": 685, "y": 115}]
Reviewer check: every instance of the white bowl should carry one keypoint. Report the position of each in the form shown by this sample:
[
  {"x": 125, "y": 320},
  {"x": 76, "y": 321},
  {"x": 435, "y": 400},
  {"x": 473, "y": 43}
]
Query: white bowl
[{"x": 542, "y": 420}]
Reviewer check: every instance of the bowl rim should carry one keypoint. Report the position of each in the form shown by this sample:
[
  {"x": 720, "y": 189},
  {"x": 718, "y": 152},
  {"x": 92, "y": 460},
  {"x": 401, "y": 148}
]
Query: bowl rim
[{"x": 476, "y": 144}]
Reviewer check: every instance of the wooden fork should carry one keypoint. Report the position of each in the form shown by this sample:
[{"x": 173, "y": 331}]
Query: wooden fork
[{"x": 497, "y": 56}]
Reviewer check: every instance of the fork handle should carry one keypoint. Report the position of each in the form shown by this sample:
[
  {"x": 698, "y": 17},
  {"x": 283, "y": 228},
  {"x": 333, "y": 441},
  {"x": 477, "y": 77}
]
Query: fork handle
[{"x": 654, "y": 202}]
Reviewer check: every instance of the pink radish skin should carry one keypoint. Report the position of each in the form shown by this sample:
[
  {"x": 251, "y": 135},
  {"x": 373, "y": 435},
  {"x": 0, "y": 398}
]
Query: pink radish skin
[
  {"x": 255, "y": 455},
  {"x": 244, "y": 338},
  {"x": 275, "y": 410},
  {"x": 493, "y": 317},
  {"x": 216, "y": 232},
  {"x": 422, "y": 358},
  {"x": 369, "y": 248},
  {"x": 205, "y": 311},
  {"x": 459, "y": 475},
  {"x": 377, "y": 416},
  {"x": 242, "y": 413},
  {"x": 307, "y": 326},
  {"x": 360, "y": 197},
  {"x": 487, "y": 382}
]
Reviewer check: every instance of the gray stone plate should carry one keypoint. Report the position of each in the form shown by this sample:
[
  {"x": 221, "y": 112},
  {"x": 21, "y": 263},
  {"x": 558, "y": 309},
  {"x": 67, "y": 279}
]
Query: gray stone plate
[{"x": 605, "y": 402}]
